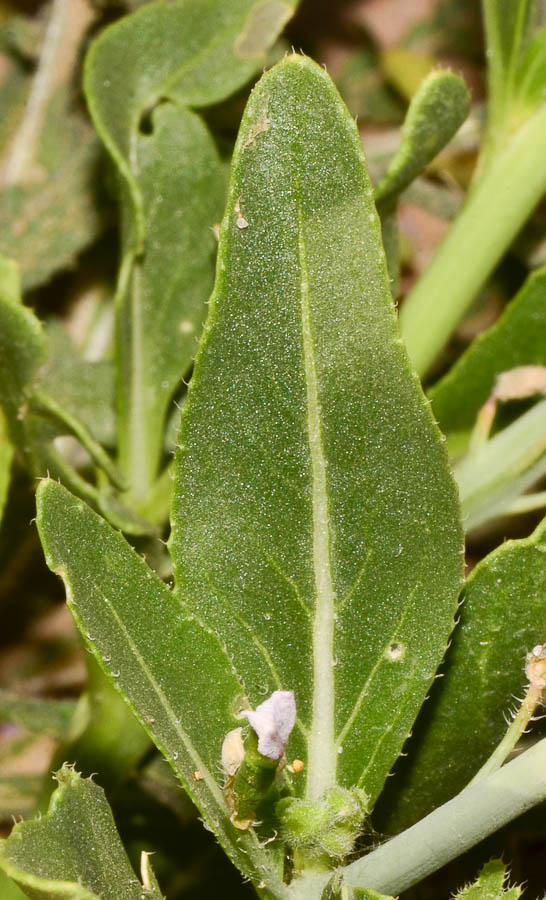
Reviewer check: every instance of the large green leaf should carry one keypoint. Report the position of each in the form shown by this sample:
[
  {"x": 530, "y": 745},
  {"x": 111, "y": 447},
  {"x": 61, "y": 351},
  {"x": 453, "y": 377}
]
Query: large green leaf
[
  {"x": 315, "y": 523},
  {"x": 518, "y": 338},
  {"x": 503, "y": 615},
  {"x": 176, "y": 675},
  {"x": 74, "y": 852},
  {"x": 194, "y": 51},
  {"x": 181, "y": 181}
]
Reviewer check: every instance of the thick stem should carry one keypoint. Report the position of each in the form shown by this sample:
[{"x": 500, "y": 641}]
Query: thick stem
[
  {"x": 452, "y": 829},
  {"x": 495, "y": 211}
]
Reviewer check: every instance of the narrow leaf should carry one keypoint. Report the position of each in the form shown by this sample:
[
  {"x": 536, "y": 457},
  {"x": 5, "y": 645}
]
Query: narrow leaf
[
  {"x": 518, "y": 338},
  {"x": 74, "y": 852},
  {"x": 315, "y": 524},
  {"x": 436, "y": 112},
  {"x": 195, "y": 51},
  {"x": 502, "y": 617},
  {"x": 176, "y": 675}
]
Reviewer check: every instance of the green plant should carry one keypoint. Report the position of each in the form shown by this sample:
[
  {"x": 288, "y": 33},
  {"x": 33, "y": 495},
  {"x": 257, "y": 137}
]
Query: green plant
[{"x": 316, "y": 533}]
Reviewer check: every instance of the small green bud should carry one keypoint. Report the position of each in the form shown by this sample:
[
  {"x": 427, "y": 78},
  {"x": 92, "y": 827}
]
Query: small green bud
[
  {"x": 302, "y": 820},
  {"x": 327, "y": 828},
  {"x": 338, "y": 841}
]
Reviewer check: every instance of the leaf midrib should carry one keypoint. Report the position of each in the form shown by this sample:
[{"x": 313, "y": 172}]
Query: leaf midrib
[{"x": 322, "y": 754}]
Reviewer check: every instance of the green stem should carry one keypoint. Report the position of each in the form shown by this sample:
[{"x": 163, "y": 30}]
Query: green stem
[
  {"x": 44, "y": 403},
  {"x": 140, "y": 415},
  {"x": 495, "y": 211},
  {"x": 452, "y": 829},
  {"x": 513, "y": 734}
]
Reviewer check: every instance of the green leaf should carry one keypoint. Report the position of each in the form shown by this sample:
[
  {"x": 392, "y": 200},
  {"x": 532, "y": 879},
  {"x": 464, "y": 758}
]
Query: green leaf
[
  {"x": 22, "y": 352},
  {"x": 74, "y": 852},
  {"x": 177, "y": 677},
  {"x": 46, "y": 224},
  {"x": 490, "y": 884},
  {"x": 436, "y": 112},
  {"x": 41, "y": 716},
  {"x": 502, "y": 618},
  {"x": 518, "y": 338},
  {"x": 84, "y": 388},
  {"x": 180, "y": 178},
  {"x": 315, "y": 523},
  {"x": 196, "y": 52}
]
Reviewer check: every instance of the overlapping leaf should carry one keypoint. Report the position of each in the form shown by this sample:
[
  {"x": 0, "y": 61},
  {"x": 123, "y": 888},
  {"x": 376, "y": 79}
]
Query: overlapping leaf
[
  {"x": 196, "y": 52},
  {"x": 315, "y": 522},
  {"x": 160, "y": 313},
  {"x": 503, "y": 615},
  {"x": 74, "y": 852},
  {"x": 178, "y": 678}
]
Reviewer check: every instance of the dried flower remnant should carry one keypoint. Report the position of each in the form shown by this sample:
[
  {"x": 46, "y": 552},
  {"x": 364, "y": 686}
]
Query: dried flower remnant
[{"x": 273, "y": 721}]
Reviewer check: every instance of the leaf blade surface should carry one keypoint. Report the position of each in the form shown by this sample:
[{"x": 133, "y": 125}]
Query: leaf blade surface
[
  {"x": 295, "y": 533},
  {"x": 194, "y": 51},
  {"x": 503, "y": 617},
  {"x": 176, "y": 676},
  {"x": 73, "y": 852}
]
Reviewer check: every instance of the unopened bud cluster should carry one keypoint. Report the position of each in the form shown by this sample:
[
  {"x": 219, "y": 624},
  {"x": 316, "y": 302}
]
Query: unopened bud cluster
[{"x": 326, "y": 828}]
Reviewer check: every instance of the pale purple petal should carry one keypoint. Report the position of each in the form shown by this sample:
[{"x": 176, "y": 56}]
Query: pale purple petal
[{"x": 273, "y": 720}]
